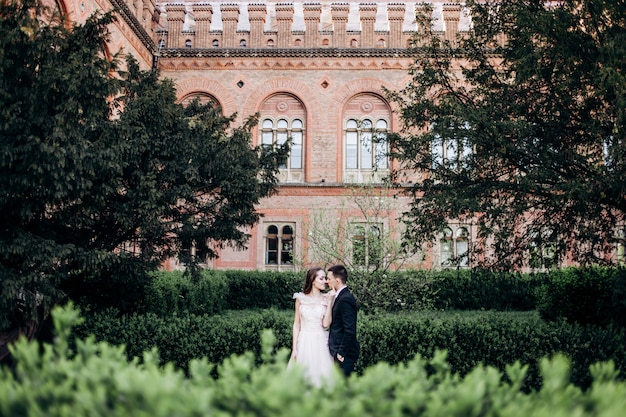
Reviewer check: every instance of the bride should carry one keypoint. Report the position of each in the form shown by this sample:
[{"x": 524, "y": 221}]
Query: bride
[{"x": 312, "y": 319}]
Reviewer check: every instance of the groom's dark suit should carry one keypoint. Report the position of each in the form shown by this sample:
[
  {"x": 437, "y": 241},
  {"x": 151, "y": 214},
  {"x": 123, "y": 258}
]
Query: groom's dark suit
[{"x": 342, "y": 337}]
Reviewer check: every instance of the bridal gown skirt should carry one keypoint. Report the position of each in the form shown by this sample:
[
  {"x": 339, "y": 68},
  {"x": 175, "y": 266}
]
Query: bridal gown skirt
[{"x": 314, "y": 357}]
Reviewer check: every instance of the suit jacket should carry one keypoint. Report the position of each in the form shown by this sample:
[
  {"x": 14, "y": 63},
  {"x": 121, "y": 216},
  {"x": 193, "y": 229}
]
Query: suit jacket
[{"x": 342, "y": 337}]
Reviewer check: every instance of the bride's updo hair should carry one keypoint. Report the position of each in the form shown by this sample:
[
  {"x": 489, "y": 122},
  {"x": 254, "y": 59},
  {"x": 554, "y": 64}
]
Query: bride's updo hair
[{"x": 310, "y": 277}]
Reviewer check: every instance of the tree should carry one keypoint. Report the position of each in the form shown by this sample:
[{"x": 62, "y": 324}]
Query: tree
[
  {"x": 95, "y": 159},
  {"x": 518, "y": 125},
  {"x": 363, "y": 234}
]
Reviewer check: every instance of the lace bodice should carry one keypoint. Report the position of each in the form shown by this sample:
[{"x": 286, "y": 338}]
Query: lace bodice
[{"x": 311, "y": 312}]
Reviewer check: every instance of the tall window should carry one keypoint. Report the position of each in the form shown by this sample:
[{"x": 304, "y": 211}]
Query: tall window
[
  {"x": 366, "y": 146},
  {"x": 613, "y": 153},
  {"x": 451, "y": 152},
  {"x": 279, "y": 245},
  {"x": 366, "y": 248},
  {"x": 283, "y": 119},
  {"x": 454, "y": 247},
  {"x": 277, "y": 133},
  {"x": 366, "y": 125},
  {"x": 621, "y": 246},
  {"x": 542, "y": 253}
]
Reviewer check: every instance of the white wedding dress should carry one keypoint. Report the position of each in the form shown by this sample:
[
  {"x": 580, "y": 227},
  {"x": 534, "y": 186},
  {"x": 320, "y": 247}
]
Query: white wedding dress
[{"x": 312, "y": 343}]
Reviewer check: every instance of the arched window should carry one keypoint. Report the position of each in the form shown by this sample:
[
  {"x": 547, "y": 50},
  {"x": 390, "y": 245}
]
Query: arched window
[
  {"x": 354, "y": 43},
  {"x": 270, "y": 43},
  {"x": 242, "y": 43},
  {"x": 446, "y": 247},
  {"x": 283, "y": 119},
  {"x": 298, "y": 42},
  {"x": 621, "y": 246},
  {"x": 188, "y": 43},
  {"x": 381, "y": 43},
  {"x": 278, "y": 133},
  {"x": 366, "y": 146},
  {"x": 366, "y": 125},
  {"x": 204, "y": 98},
  {"x": 542, "y": 252},
  {"x": 216, "y": 43},
  {"x": 452, "y": 151},
  {"x": 279, "y": 245},
  {"x": 454, "y": 247},
  {"x": 462, "y": 246}
]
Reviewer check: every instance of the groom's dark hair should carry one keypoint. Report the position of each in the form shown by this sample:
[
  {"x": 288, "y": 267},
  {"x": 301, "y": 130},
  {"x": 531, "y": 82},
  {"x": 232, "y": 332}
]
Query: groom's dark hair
[{"x": 339, "y": 271}]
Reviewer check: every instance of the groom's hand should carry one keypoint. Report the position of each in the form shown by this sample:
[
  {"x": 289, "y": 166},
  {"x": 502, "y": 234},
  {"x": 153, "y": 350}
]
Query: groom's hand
[{"x": 340, "y": 358}]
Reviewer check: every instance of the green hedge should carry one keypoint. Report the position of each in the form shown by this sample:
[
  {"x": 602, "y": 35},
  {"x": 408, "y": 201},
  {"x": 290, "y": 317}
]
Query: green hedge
[
  {"x": 180, "y": 338},
  {"x": 175, "y": 292},
  {"x": 585, "y": 295},
  {"x": 485, "y": 290},
  {"x": 96, "y": 380},
  {"x": 212, "y": 292},
  {"x": 254, "y": 289},
  {"x": 470, "y": 338},
  {"x": 217, "y": 291}
]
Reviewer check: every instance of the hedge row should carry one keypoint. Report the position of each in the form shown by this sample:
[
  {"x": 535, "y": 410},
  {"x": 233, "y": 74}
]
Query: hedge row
[
  {"x": 588, "y": 296},
  {"x": 217, "y": 291},
  {"x": 470, "y": 338},
  {"x": 97, "y": 380}
]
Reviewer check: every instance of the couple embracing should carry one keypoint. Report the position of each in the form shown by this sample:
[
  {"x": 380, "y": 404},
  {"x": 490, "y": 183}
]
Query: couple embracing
[{"x": 324, "y": 326}]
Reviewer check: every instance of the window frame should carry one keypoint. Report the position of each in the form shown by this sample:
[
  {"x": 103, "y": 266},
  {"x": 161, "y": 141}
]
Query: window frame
[
  {"x": 362, "y": 239},
  {"x": 279, "y": 247},
  {"x": 445, "y": 151},
  {"x": 542, "y": 251},
  {"x": 280, "y": 135},
  {"x": 365, "y": 141},
  {"x": 454, "y": 238}
]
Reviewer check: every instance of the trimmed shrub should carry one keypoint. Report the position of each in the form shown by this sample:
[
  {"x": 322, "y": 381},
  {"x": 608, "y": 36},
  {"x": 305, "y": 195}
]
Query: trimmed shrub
[
  {"x": 393, "y": 291},
  {"x": 177, "y": 292},
  {"x": 485, "y": 290},
  {"x": 470, "y": 338},
  {"x": 413, "y": 290},
  {"x": 591, "y": 295},
  {"x": 255, "y": 289},
  {"x": 97, "y": 380}
]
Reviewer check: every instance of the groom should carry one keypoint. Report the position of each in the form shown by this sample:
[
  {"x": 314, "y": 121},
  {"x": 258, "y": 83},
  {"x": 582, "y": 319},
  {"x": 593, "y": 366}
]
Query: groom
[{"x": 344, "y": 347}]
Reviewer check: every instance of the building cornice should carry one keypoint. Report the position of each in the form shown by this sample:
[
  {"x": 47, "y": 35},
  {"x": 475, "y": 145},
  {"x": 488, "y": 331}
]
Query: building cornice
[
  {"x": 132, "y": 22},
  {"x": 290, "y": 53}
]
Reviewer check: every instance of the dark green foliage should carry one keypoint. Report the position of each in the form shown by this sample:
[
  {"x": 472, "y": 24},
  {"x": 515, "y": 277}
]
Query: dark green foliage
[
  {"x": 176, "y": 292},
  {"x": 485, "y": 290},
  {"x": 96, "y": 380},
  {"x": 584, "y": 295},
  {"x": 393, "y": 291},
  {"x": 490, "y": 338},
  {"x": 103, "y": 174},
  {"x": 181, "y": 338},
  {"x": 255, "y": 289},
  {"x": 534, "y": 128},
  {"x": 471, "y": 338}
]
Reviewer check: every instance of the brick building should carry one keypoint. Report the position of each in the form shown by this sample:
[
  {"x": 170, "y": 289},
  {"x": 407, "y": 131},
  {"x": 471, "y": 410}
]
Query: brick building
[{"x": 316, "y": 72}]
